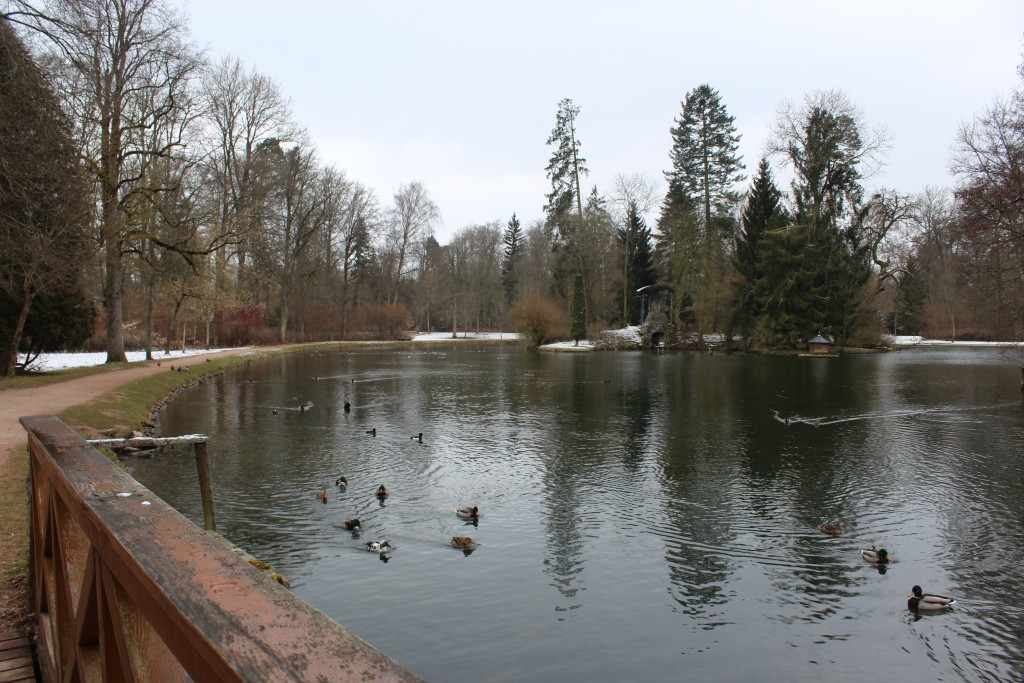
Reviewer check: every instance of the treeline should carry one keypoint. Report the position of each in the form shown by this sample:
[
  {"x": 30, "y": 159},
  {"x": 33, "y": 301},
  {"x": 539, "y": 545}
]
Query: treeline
[{"x": 169, "y": 196}]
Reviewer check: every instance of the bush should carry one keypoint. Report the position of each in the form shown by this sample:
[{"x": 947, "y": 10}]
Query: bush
[
  {"x": 381, "y": 321},
  {"x": 537, "y": 318}
]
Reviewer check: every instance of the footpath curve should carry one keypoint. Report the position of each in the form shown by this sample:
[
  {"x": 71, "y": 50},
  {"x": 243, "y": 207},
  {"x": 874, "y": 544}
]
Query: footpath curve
[
  {"x": 53, "y": 398},
  {"x": 49, "y": 400}
]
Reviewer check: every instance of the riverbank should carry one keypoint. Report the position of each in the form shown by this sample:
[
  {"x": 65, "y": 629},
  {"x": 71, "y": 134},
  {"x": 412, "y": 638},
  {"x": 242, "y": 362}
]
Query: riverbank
[{"x": 100, "y": 399}]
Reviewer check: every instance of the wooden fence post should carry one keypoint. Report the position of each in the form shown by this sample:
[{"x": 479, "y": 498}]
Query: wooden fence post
[{"x": 205, "y": 487}]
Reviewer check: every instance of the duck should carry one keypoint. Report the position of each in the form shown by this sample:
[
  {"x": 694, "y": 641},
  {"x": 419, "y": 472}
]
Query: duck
[
  {"x": 463, "y": 542},
  {"x": 831, "y": 528},
  {"x": 341, "y": 482},
  {"x": 378, "y": 546},
  {"x": 468, "y": 512},
  {"x": 348, "y": 407},
  {"x": 372, "y": 432},
  {"x": 322, "y": 495},
  {"x": 880, "y": 556},
  {"x": 919, "y": 600},
  {"x": 352, "y": 524},
  {"x": 418, "y": 437},
  {"x": 382, "y": 491}
]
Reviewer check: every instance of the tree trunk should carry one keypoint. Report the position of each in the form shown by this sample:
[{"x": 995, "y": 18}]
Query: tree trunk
[
  {"x": 9, "y": 357},
  {"x": 113, "y": 300}
]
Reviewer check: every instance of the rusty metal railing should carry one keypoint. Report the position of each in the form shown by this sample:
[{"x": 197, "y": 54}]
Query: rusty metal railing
[{"x": 127, "y": 589}]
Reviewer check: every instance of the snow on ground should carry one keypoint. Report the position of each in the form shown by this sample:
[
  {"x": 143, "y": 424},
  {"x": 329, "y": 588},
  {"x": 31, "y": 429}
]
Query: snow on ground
[
  {"x": 921, "y": 341},
  {"x": 62, "y": 361},
  {"x": 446, "y": 336}
]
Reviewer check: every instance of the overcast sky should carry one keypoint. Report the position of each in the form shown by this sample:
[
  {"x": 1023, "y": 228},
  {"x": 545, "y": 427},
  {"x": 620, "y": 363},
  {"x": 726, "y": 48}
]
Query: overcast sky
[{"x": 461, "y": 96}]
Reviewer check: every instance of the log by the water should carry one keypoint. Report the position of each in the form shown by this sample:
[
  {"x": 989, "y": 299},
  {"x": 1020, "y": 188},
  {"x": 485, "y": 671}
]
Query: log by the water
[{"x": 143, "y": 442}]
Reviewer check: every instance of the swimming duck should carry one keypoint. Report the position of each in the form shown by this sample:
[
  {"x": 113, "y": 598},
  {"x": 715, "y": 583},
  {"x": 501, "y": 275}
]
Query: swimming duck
[
  {"x": 382, "y": 491},
  {"x": 418, "y": 437},
  {"x": 378, "y": 546},
  {"x": 468, "y": 512},
  {"x": 880, "y": 556},
  {"x": 322, "y": 495},
  {"x": 463, "y": 542},
  {"x": 919, "y": 600},
  {"x": 372, "y": 432},
  {"x": 831, "y": 528},
  {"x": 348, "y": 407},
  {"x": 352, "y": 524},
  {"x": 341, "y": 482}
]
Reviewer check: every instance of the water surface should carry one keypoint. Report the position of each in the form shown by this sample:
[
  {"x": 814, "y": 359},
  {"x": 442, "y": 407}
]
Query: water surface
[{"x": 645, "y": 517}]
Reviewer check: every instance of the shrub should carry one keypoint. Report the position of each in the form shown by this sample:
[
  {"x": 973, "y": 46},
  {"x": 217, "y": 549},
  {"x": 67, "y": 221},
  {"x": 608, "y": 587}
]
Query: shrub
[{"x": 537, "y": 318}]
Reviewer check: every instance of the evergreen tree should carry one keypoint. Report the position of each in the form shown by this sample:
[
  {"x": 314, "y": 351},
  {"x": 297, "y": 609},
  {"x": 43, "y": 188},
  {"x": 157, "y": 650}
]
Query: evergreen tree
[
  {"x": 762, "y": 212},
  {"x": 826, "y": 144},
  {"x": 704, "y": 152},
  {"x": 786, "y": 290},
  {"x": 705, "y": 167},
  {"x": 511, "y": 254},
  {"x": 564, "y": 170},
  {"x": 578, "y": 326},
  {"x": 43, "y": 201},
  {"x": 677, "y": 251},
  {"x": 640, "y": 271},
  {"x": 911, "y": 295}
]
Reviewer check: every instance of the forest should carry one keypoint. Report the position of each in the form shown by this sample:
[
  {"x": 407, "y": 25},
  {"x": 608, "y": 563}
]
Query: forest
[{"x": 151, "y": 196}]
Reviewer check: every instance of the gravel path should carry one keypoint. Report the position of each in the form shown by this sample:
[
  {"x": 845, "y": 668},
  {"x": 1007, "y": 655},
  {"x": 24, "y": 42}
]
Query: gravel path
[
  {"x": 48, "y": 400},
  {"x": 53, "y": 398}
]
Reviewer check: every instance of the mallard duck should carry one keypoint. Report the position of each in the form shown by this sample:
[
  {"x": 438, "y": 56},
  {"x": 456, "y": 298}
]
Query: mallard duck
[
  {"x": 341, "y": 482},
  {"x": 378, "y": 546},
  {"x": 919, "y": 600},
  {"x": 322, "y": 495},
  {"x": 382, "y": 491},
  {"x": 831, "y": 528},
  {"x": 463, "y": 542},
  {"x": 352, "y": 524},
  {"x": 880, "y": 556},
  {"x": 372, "y": 432},
  {"x": 468, "y": 512}
]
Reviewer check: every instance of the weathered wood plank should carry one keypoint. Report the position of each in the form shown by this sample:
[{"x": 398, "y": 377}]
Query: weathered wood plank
[
  {"x": 221, "y": 618},
  {"x": 23, "y": 659},
  {"x": 25, "y": 673}
]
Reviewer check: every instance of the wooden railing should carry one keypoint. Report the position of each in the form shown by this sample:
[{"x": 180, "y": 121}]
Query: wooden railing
[{"x": 127, "y": 589}]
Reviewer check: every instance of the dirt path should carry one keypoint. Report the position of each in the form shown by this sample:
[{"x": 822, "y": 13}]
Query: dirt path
[
  {"x": 53, "y": 398},
  {"x": 48, "y": 400}
]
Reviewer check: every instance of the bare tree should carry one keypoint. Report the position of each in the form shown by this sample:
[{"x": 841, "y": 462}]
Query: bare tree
[
  {"x": 938, "y": 246},
  {"x": 357, "y": 216},
  {"x": 243, "y": 109},
  {"x": 412, "y": 218},
  {"x": 131, "y": 66}
]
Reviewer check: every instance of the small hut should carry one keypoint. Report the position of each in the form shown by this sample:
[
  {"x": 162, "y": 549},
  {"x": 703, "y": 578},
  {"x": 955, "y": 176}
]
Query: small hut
[{"x": 819, "y": 344}]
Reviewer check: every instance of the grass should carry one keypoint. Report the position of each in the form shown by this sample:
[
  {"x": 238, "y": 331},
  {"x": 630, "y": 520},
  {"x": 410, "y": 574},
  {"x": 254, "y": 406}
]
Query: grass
[{"x": 42, "y": 379}]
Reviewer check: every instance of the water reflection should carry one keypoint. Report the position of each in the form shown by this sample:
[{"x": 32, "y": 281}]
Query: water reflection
[{"x": 643, "y": 512}]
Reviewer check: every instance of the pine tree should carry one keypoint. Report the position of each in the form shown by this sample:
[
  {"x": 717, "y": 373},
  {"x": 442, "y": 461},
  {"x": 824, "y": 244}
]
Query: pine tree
[
  {"x": 677, "y": 250},
  {"x": 635, "y": 237},
  {"x": 564, "y": 170},
  {"x": 825, "y": 143},
  {"x": 513, "y": 251},
  {"x": 704, "y": 152},
  {"x": 705, "y": 168},
  {"x": 578, "y": 326},
  {"x": 911, "y": 295},
  {"x": 762, "y": 212}
]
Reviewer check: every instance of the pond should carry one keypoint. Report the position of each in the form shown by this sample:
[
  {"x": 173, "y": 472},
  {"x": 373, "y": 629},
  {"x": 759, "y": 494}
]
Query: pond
[{"x": 644, "y": 517}]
